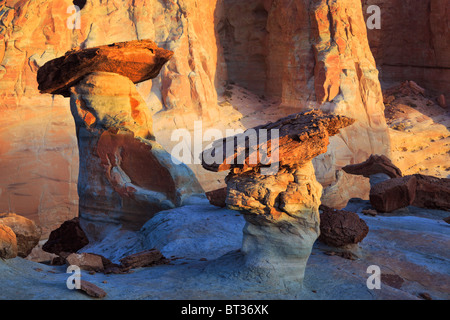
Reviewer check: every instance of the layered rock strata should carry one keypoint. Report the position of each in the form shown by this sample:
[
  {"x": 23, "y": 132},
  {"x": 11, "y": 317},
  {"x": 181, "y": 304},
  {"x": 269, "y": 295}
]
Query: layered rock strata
[
  {"x": 125, "y": 176},
  {"x": 279, "y": 198}
]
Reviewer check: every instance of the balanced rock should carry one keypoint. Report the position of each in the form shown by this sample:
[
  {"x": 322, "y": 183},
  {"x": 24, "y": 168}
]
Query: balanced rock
[
  {"x": 26, "y": 231},
  {"x": 69, "y": 237},
  {"x": 374, "y": 165},
  {"x": 340, "y": 228},
  {"x": 137, "y": 60},
  {"x": 280, "y": 199},
  {"x": 8, "y": 243},
  {"x": 125, "y": 176}
]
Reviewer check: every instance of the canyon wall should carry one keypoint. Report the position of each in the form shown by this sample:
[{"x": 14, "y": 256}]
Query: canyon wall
[
  {"x": 292, "y": 55},
  {"x": 413, "y": 42}
]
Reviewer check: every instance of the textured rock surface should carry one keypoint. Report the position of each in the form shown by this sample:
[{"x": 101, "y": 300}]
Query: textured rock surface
[
  {"x": 413, "y": 42},
  {"x": 217, "y": 197},
  {"x": 85, "y": 261},
  {"x": 125, "y": 176},
  {"x": 338, "y": 74},
  {"x": 69, "y": 237},
  {"x": 92, "y": 290},
  {"x": 26, "y": 231},
  {"x": 272, "y": 40},
  {"x": 417, "y": 190},
  {"x": 137, "y": 60},
  {"x": 374, "y": 165},
  {"x": 418, "y": 127},
  {"x": 420, "y": 256},
  {"x": 147, "y": 258},
  {"x": 280, "y": 207},
  {"x": 8, "y": 243},
  {"x": 340, "y": 228},
  {"x": 301, "y": 137}
]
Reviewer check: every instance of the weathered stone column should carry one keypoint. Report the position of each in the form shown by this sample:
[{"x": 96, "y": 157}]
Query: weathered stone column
[
  {"x": 281, "y": 208},
  {"x": 125, "y": 176}
]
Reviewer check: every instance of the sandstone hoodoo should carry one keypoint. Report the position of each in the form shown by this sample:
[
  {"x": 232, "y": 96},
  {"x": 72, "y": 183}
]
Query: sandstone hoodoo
[
  {"x": 125, "y": 176},
  {"x": 280, "y": 205}
]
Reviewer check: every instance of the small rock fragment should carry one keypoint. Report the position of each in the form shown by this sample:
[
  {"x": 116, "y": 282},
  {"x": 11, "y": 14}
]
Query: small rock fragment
[{"x": 92, "y": 290}]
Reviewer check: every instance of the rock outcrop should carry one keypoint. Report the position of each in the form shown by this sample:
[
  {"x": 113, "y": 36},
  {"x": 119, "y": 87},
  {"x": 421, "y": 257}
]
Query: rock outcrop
[
  {"x": 8, "y": 243},
  {"x": 26, "y": 231},
  {"x": 280, "y": 203},
  {"x": 417, "y": 190},
  {"x": 125, "y": 175},
  {"x": 217, "y": 197}
]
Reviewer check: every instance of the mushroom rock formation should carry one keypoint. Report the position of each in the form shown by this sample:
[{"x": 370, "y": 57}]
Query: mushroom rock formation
[
  {"x": 125, "y": 176},
  {"x": 279, "y": 206}
]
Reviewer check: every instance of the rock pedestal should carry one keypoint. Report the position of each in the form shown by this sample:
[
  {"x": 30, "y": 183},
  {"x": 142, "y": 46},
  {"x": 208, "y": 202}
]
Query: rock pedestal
[
  {"x": 280, "y": 205},
  {"x": 125, "y": 176}
]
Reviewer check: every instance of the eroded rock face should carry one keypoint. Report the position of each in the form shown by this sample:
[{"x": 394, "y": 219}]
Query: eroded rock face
[
  {"x": 280, "y": 207},
  {"x": 304, "y": 54},
  {"x": 125, "y": 176},
  {"x": 26, "y": 231},
  {"x": 413, "y": 42},
  {"x": 8, "y": 243}
]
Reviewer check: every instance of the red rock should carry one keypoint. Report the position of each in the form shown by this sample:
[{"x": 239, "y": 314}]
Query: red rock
[
  {"x": 142, "y": 259},
  {"x": 417, "y": 190},
  {"x": 392, "y": 280},
  {"x": 393, "y": 194},
  {"x": 8, "y": 243},
  {"x": 86, "y": 261},
  {"x": 27, "y": 233},
  {"x": 339, "y": 228},
  {"x": 217, "y": 197},
  {"x": 138, "y": 60},
  {"x": 69, "y": 237},
  {"x": 441, "y": 101},
  {"x": 375, "y": 164},
  {"x": 302, "y": 137},
  {"x": 92, "y": 290},
  {"x": 432, "y": 192}
]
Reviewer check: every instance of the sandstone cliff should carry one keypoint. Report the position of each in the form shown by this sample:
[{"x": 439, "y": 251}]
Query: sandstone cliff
[{"x": 287, "y": 55}]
